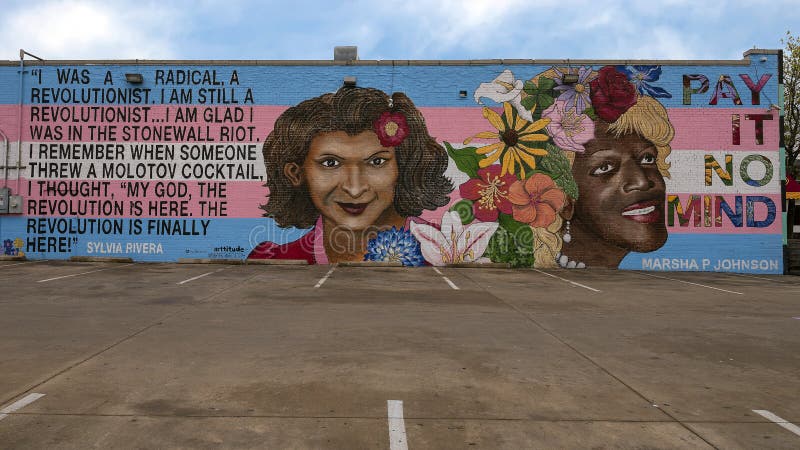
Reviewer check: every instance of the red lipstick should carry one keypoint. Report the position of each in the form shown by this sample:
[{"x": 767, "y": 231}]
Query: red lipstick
[
  {"x": 354, "y": 209},
  {"x": 645, "y": 212}
]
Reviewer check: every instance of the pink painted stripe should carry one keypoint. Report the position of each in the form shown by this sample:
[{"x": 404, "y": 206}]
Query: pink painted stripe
[
  {"x": 242, "y": 198},
  {"x": 711, "y": 129},
  {"x": 263, "y": 119},
  {"x": 759, "y": 214},
  {"x": 440, "y": 122},
  {"x": 695, "y": 128}
]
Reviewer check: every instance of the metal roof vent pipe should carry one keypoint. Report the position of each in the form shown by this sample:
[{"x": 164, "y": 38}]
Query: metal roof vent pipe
[{"x": 345, "y": 53}]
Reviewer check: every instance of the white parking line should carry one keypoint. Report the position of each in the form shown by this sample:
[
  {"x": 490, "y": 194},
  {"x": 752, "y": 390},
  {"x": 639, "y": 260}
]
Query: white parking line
[
  {"x": 200, "y": 276},
  {"x": 322, "y": 280},
  {"x": 82, "y": 273},
  {"x": 689, "y": 282},
  {"x": 569, "y": 281},
  {"x": 760, "y": 278},
  {"x": 773, "y": 418},
  {"x": 24, "y": 262},
  {"x": 19, "y": 404},
  {"x": 452, "y": 285},
  {"x": 397, "y": 426}
]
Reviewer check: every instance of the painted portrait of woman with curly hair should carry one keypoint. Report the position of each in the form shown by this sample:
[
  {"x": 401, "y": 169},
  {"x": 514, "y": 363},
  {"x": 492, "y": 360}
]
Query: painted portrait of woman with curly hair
[{"x": 356, "y": 166}]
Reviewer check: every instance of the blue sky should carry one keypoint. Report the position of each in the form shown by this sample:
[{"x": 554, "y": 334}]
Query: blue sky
[{"x": 389, "y": 29}]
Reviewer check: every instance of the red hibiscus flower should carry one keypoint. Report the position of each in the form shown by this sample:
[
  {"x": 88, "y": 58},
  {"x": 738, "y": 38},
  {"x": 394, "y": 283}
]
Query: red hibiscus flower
[
  {"x": 537, "y": 200},
  {"x": 391, "y": 128},
  {"x": 489, "y": 193},
  {"x": 612, "y": 94}
]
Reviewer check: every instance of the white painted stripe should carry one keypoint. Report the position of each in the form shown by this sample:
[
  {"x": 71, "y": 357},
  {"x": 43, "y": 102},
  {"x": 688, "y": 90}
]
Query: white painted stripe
[
  {"x": 20, "y": 263},
  {"x": 83, "y": 273},
  {"x": 19, "y": 404},
  {"x": 452, "y": 285},
  {"x": 684, "y": 173},
  {"x": 689, "y": 282},
  {"x": 772, "y": 417},
  {"x": 195, "y": 278},
  {"x": 397, "y": 426},
  {"x": 760, "y": 278},
  {"x": 322, "y": 280},
  {"x": 179, "y": 169},
  {"x": 569, "y": 281},
  {"x": 200, "y": 276}
]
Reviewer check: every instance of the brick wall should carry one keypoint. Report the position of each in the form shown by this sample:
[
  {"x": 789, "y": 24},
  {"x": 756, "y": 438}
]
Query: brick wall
[{"x": 658, "y": 166}]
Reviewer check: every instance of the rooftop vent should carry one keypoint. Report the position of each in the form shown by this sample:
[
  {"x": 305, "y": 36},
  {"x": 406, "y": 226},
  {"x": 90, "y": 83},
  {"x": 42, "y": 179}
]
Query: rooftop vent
[{"x": 345, "y": 53}]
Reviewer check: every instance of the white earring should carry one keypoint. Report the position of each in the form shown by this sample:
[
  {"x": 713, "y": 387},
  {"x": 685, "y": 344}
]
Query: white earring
[{"x": 567, "y": 237}]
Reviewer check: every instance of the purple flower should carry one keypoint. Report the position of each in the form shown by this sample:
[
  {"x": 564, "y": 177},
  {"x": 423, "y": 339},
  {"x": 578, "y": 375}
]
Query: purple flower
[
  {"x": 575, "y": 95},
  {"x": 641, "y": 76}
]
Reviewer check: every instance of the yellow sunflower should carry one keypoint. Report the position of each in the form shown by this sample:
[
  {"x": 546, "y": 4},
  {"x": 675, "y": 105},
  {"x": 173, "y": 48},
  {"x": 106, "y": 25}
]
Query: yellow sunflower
[{"x": 517, "y": 138}]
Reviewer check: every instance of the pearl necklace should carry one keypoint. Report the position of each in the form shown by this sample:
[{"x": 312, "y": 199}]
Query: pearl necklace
[{"x": 564, "y": 261}]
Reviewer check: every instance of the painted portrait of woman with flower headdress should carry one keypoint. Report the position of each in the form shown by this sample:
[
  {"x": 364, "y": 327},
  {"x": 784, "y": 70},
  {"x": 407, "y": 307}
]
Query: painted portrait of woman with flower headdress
[
  {"x": 574, "y": 166},
  {"x": 357, "y": 167}
]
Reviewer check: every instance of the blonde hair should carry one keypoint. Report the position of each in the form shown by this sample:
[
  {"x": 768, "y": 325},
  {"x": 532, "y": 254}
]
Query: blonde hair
[
  {"x": 647, "y": 118},
  {"x": 547, "y": 242}
]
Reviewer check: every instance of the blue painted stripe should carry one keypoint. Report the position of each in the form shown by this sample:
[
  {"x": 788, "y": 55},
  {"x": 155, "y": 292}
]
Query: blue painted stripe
[
  {"x": 751, "y": 253},
  {"x": 289, "y": 85},
  {"x": 234, "y": 238},
  {"x": 225, "y": 238}
]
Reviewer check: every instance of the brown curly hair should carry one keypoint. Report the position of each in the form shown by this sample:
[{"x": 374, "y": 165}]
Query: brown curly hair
[{"x": 421, "y": 160}]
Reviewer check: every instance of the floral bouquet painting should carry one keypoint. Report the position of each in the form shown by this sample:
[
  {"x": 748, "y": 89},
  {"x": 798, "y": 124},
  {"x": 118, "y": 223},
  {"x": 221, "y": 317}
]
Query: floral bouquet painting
[{"x": 520, "y": 174}]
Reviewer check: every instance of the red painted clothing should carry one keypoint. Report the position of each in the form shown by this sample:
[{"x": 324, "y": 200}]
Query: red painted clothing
[{"x": 302, "y": 248}]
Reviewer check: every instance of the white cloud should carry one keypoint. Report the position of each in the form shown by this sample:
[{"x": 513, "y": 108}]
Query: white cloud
[
  {"x": 663, "y": 43},
  {"x": 87, "y": 29},
  {"x": 390, "y": 29}
]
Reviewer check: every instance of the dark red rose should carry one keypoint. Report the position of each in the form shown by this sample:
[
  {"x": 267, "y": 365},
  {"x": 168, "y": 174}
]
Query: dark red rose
[
  {"x": 612, "y": 94},
  {"x": 391, "y": 128}
]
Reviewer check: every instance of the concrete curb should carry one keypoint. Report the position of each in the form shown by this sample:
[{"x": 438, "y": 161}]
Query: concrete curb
[
  {"x": 277, "y": 262},
  {"x": 210, "y": 261},
  {"x": 12, "y": 258},
  {"x": 370, "y": 264},
  {"x": 481, "y": 265},
  {"x": 108, "y": 259}
]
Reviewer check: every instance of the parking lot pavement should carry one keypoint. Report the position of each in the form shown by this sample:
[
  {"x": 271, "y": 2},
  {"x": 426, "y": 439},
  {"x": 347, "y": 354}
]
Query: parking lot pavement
[{"x": 210, "y": 356}]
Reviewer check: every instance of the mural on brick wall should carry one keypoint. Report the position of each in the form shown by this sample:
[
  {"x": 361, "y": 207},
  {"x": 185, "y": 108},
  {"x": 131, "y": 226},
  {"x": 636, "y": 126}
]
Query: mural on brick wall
[
  {"x": 358, "y": 166},
  {"x": 637, "y": 167}
]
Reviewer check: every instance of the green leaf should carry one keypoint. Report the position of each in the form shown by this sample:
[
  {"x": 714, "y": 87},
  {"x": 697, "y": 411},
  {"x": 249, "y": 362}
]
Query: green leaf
[
  {"x": 546, "y": 84},
  {"x": 464, "y": 210},
  {"x": 512, "y": 243},
  {"x": 590, "y": 112},
  {"x": 507, "y": 221},
  {"x": 465, "y": 158},
  {"x": 529, "y": 87},
  {"x": 528, "y": 102},
  {"x": 556, "y": 164},
  {"x": 545, "y": 101}
]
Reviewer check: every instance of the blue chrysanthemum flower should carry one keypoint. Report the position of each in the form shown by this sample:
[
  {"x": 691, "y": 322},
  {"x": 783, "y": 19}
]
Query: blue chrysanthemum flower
[
  {"x": 395, "y": 246},
  {"x": 641, "y": 76}
]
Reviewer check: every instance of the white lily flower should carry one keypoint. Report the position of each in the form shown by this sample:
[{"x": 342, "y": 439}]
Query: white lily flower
[
  {"x": 503, "y": 89},
  {"x": 453, "y": 243}
]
